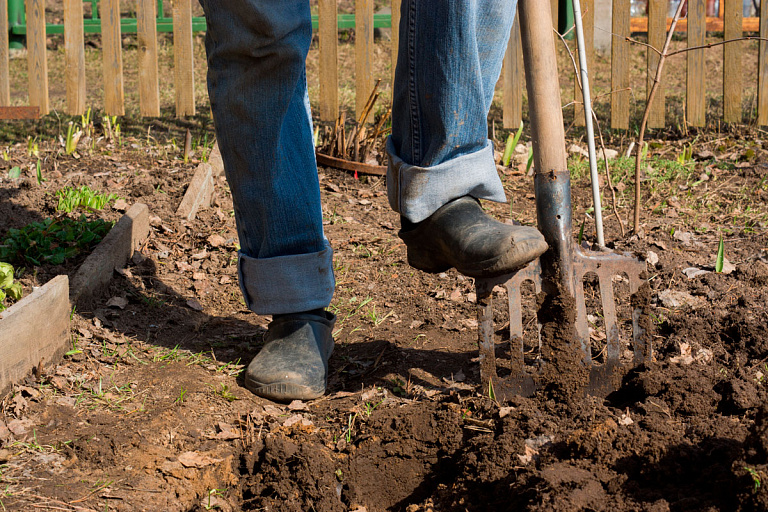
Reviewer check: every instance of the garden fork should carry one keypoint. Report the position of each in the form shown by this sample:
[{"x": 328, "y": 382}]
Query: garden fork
[{"x": 560, "y": 272}]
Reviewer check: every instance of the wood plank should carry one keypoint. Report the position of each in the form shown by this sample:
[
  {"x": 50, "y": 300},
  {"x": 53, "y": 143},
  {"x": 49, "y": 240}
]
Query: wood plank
[
  {"x": 34, "y": 331},
  {"x": 74, "y": 56},
  {"x": 620, "y": 47},
  {"x": 113, "y": 251},
  {"x": 713, "y": 25},
  {"x": 36, "y": 55},
  {"x": 762, "y": 73},
  {"x": 657, "y": 14},
  {"x": 396, "y": 7},
  {"x": 5, "y": 80},
  {"x": 183, "y": 58},
  {"x": 512, "y": 88},
  {"x": 732, "y": 16},
  {"x": 588, "y": 22},
  {"x": 7, "y": 113},
  {"x": 364, "y": 81},
  {"x": 328, "y": 36},
  {"x": 149, "y": 88},
  {"x": 114, "y": 96},
  {"x": 696, "y": 97},
  {"x": 555, "y": 5}
]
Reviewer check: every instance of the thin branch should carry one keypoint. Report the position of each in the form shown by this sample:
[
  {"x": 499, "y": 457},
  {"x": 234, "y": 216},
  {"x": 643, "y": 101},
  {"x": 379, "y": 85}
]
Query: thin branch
[{"x": 716, "y": 43}]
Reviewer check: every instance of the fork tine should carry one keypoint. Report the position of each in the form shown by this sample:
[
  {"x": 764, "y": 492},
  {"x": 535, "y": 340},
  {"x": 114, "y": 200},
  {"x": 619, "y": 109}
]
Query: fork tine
[{"x": 613, "y": 343}]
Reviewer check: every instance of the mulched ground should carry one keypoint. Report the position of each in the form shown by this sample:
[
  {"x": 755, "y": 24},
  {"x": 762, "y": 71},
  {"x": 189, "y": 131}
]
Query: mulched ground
[{"x": 149, "y": 412}]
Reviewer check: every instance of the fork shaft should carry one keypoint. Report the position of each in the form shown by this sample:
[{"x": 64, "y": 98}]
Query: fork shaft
[{"x": 552, "y": 182}]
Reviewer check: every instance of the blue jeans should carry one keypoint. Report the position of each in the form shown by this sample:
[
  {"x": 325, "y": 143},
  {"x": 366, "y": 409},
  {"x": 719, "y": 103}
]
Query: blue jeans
[{"x": 449, "y": 62}]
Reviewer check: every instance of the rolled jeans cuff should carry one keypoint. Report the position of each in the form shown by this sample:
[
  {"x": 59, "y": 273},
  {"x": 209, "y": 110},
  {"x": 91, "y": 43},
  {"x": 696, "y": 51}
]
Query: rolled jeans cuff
[
  {"x": 417, "y": 192},
  {"x": 287, "y": 284}
]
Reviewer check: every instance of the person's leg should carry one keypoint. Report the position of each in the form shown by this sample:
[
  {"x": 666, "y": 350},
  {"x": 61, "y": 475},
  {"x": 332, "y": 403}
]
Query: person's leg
[
  {"x": 440, "y": 157},
  {"x": 257, "y": 86}
]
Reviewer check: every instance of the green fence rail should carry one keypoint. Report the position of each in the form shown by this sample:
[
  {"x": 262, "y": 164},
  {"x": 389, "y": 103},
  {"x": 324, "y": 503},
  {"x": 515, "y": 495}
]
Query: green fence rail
[{"x": 18, "y": 27}]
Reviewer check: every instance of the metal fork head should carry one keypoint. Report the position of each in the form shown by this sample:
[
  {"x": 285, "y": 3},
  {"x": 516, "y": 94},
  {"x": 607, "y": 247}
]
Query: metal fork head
[{"x": 604, "y": 376}]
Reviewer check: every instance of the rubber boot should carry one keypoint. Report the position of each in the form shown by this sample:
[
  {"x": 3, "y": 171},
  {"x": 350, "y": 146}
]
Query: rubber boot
[
  {"x": 461, "y": 235},
  {"x": 293, "y": 365}
]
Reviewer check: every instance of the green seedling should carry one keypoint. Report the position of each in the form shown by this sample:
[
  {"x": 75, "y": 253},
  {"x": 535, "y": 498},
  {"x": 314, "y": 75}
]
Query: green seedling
[
  {"x": 73, "y": 138},
  {"x": 210, "y": 505},
  {"x": 8, "y": 288},
  {"x": 530, "y": 161},
  {"x": 581, "y": 230},
  {"x": 755, "y": 478},
  {"x": 720, "y": 260},
  {"x": 182, "y": 395},
  {"x": 39, "y": 169},
  {"x": 350, "y": 428},
  {"x": 14, "y": 172},
  {"x": 511, "y": 145},
  {"x": 491, "y": 392},
  {"x": 52, "y": 241},
  {"x": 6, "y": 155},
  {"x": 223, "y": 392},
  {"x": 32, "y": 147},
  {"x": 370, "y": 407},
  {"x": 71, "y": 199}
]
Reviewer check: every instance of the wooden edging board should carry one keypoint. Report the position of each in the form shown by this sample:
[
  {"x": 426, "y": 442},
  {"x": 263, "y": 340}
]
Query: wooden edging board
[
  {"x": 34, "y": 331},
  {"x": 198, "y": 194},
  {"x": 119, "y": 244}
]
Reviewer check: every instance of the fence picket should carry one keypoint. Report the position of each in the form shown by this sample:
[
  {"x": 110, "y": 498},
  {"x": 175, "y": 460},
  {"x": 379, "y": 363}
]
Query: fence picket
[
  {"x": 512, "y": 92},
  {"x": 5, "y": 81},
  {"x": 183, "y": 58},
  {"x": 328, "y": 36},
  {"x": 36, "y": 55},
  {"x": 396, "y": 6},
  {"x": 363, "y": 54},
  {"x": 74, "y": 50},
  {"x": 149, "y": 89},
  {"x": 762, "y": 73},
  {"x": 114, "y": 96},
  {"x": 555, "y": 5},
  {"x": 732, "y": 18},
  {"x": 695, "y": 87},
  {"x": 588, "y": 21},
  {"x": 657, "y": 21},
  {"x": 620, "y": 93}
]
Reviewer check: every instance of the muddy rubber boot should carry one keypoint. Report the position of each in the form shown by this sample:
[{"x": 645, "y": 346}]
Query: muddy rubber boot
[
  {"x": 461, "y": 235},
  {"x": 293, "y": 365}
]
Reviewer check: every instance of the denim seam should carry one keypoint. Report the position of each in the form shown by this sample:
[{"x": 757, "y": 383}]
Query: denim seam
[{"x": 413, "y": 99}]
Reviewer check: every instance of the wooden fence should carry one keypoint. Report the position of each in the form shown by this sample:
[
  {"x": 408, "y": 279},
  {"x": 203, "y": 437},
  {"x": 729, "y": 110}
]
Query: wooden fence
[{"x": 730, "y": 22}]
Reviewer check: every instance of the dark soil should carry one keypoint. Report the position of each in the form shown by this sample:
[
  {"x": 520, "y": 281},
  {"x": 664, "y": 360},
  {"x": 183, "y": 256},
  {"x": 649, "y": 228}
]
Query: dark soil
[{"x": 149, "y": 411}]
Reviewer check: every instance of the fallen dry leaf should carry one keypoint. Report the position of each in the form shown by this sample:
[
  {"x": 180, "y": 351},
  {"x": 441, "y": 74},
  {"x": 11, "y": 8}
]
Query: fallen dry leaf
[{"x": 196, "y": 460}]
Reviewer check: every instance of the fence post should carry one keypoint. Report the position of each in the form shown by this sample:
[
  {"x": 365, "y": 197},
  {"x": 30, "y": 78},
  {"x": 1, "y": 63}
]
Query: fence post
[
  {"x": 114, "y": 97},
  {"x": 620, "y": 93},
  {"x": 657, "y": 29},
  {"x": 732, "y": 19},
  {"x": 512, "y": 92},
  {"x": 36, "y": 55},
  {"x": 395, "y": 24},
  {"x": 588, "y": 18},
  {"x": 762, "y": 74},
  {"x": 328, "y": 35},
  {"x": 149, "y": 90},
  {"x": 363, "y": 55},
  {"x": 183, "y": 58},
  {"x": 5, "y": 82},
  {"x": 74, "y": 50},
  {"x": 696, "y": 106}
]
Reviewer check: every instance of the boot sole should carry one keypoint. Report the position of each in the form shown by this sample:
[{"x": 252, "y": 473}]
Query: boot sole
[{"x": 430, "y": 262}]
